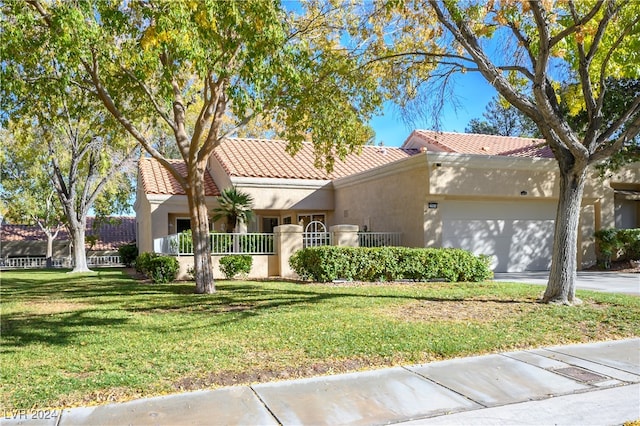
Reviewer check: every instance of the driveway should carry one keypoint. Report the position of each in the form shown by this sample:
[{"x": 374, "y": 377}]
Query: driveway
[{"x": 609, "y": 282}]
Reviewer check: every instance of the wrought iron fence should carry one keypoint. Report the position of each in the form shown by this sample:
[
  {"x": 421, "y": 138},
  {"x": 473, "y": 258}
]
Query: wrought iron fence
[
  {"x": 380, "y": 239},
  {"x": 317, "y": 239},
  {"x": 107, "y": 260},
  {"x": 59, "y": 262},
  {"x": 220, "y": 243}
]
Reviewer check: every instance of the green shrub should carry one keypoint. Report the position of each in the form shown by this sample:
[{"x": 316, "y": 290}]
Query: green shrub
[
  {"x": 160, "y": 269},
  {"x": 163, "y": 269},
  {"x": 128, "y": 253},
  {"x": 621, "y": 244},
  {"x": 235, "y": 264},
  {"x": 143, "y": 262},
  {"x": 329, "y": 263},
  {"x": 630, "y": 243}
]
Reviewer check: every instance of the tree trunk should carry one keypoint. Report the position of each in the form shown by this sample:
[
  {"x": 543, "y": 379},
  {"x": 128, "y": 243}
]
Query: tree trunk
[
  {"x": 203, "y": 267},
  {"x": 561, "y": 285},
  {"x": 50, "y": 239},
  {"x": 77, "y": 230}
]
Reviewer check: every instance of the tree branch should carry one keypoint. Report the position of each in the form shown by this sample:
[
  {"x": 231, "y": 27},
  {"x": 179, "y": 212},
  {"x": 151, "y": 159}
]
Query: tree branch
[
  {"x": 105, "y": 98},
  {"x": 151, "y": 98},
  {"x": 606, "y": 150},
  {"x": 492, "y": 74},
  {"x": 577, "y": 24},
  {"x": 545, "y": 95}
]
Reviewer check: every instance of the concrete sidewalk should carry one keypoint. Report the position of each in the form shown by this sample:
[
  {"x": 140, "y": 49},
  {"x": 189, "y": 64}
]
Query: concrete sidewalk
[
  {"x": 608, "y": 282},
  {"x": 588, "y": 384}
]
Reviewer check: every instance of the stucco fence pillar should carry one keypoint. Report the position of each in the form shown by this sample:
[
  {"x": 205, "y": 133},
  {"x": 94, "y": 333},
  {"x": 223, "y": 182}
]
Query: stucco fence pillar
[
  {"x": 345, "y": 235},
  {"x": 288, "y": 240}
]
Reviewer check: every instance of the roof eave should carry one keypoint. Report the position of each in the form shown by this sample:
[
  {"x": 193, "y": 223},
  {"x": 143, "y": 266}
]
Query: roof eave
[
  {"x": 259, "y": 182},
  {"x": 492, "y": 161}
]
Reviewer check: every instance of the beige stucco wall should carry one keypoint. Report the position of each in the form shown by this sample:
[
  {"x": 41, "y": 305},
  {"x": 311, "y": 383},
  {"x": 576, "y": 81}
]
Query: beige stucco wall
[
  {"x": 156, "y": 216},
  {"x": 142, "y": 207},
  {"x": 498, "y": 177},
  {"x": 287, "y": 194},
  {"x": 398, "y": 197},
  {"x": 263, "y": 266},
  {"x": 388, "y": 199}
]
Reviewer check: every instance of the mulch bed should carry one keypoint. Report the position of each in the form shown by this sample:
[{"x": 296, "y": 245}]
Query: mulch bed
[{"x": 618, "y": 266}]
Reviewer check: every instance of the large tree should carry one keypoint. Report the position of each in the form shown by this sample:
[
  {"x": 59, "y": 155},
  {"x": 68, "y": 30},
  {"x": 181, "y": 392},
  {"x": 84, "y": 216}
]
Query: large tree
[
  {"x": 58, "y": 149},
  {"x": 503, "y": 119},
  {"x": 149, "y": 62},
  {"x": 26, "y": 193},
  {"x": 530, "y": 52}
]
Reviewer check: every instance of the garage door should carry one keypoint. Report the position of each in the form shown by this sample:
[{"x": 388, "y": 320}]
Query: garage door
[{"x": 517, "y": 235}]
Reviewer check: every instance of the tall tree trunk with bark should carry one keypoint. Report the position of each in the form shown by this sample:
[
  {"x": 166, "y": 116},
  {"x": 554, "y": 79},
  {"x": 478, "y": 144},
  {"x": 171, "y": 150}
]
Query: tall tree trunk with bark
[
  {"x": 50, "y": 239},
  {"x": 561, "y": 285},
  {"x": 203, "y": 266},
  {"x": 51, "y": 236},
  {"x": 77, "y": 233}
]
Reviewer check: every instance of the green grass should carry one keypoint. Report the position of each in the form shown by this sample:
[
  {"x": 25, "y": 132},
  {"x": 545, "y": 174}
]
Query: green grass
[{"x": 72, "y": 340}]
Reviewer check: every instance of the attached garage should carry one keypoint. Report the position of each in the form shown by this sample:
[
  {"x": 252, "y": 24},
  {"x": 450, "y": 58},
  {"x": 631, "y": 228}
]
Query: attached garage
[{"x": 517, "y": 235}]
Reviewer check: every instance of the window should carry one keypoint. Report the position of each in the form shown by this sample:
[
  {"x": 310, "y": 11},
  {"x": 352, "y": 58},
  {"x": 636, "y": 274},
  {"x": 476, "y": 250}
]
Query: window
[
  {"x": 305, "y": 219},
  {"x": 182, "y": 224},
  {"x": 286, "y": 220},
  {"x": 268, "y": 223},
  {"x": 626, "y": 212}
]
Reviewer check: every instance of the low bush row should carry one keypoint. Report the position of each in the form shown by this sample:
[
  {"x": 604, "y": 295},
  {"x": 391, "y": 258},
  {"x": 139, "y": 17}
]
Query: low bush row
[
  {"x": 164, "y": 269},
  {"x": 160, "y": 269},
  {"x": 330, "y": 263}
]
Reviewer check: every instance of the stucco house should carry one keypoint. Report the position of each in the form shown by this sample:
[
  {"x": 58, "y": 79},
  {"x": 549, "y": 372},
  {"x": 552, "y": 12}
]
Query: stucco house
[{"x": 489, "y": 194}]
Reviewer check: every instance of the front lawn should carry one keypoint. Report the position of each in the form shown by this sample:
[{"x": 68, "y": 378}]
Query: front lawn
[{"x": 81, "y": 340}]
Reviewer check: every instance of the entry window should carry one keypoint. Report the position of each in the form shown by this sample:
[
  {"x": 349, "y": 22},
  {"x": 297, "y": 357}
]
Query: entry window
[
  {"x": 268, "y": 223},
  {"x": 183, "y": 224},
  {"x": 627, "y": 214},
  {"x": 305, "y": 219}
]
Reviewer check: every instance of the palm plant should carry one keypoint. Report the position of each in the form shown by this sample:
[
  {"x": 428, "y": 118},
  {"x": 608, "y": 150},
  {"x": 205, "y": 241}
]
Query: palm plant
[{"x": 235, "y": 207}]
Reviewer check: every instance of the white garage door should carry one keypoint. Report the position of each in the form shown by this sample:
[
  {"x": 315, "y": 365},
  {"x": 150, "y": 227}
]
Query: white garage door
[{"x": 517, "y": 235}]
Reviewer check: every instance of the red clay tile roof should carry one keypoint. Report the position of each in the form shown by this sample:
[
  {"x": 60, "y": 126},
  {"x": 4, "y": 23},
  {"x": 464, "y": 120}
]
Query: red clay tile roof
[
  {"x": 114, "y": 233},
  {"x": 111, "y": 235},
  {"x": 467, "y": 143},
  {"x": 264, "y": 158},
  {"x": 156, "y": 179}
]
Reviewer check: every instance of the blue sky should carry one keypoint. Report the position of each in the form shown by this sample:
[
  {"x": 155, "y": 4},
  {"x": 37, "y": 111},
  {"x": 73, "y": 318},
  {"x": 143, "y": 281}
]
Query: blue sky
[{"x": 473, "y": 94}]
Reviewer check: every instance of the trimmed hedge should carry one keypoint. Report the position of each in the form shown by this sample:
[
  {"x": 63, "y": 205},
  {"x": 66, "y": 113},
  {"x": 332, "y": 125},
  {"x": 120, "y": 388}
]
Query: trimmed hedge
[
  {"x": 235, "y": 264},
  {"x": 330, "y": 263},
  {"x": 160, "y": 269}
]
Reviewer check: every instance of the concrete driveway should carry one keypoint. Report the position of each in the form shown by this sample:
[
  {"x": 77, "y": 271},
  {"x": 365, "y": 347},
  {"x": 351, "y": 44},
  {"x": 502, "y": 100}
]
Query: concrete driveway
[{"x": 608, "y": 282}]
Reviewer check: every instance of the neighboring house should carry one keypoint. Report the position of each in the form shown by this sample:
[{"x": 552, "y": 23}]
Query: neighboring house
[
  {"x": 30, "y": 241},
  {"x": 494, "y": 195}
]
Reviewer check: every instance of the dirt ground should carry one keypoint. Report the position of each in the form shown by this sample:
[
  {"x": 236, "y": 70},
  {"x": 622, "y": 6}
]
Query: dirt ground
[{"x": 622, "y": 266}]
